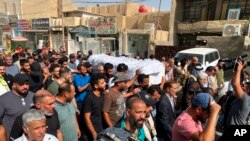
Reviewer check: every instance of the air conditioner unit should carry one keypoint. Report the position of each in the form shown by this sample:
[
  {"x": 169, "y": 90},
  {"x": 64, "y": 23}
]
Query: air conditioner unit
[
  {"x": 150, "y": 26},
  {"x": 231, "y": 30}
]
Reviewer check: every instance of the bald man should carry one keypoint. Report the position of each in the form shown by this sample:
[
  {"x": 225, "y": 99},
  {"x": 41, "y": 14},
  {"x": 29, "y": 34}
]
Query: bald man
[
  {"x": 194, "y": 61},
  {"x": 135, "y": 117}
]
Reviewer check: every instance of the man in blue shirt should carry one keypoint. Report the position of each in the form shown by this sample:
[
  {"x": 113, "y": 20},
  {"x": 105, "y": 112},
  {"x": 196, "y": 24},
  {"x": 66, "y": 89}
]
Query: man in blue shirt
[{"x": 81, "y": 82}]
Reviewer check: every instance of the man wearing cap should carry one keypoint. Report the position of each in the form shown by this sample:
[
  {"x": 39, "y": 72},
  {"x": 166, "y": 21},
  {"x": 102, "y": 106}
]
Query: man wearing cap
[
  {"x": 188, "y": 126},
  {"x": 35, "y": 77},
  {"x": 16, "y": 101},
  {"x": 114, "y": 102}
]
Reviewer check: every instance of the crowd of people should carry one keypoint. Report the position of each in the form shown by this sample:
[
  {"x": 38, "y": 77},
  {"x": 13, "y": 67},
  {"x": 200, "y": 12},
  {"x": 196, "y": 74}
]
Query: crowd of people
[{"x": 49, "y": 96}]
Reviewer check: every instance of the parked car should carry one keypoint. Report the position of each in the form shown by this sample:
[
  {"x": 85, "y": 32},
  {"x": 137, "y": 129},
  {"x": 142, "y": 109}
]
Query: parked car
[{"x": 207, "y": 56}]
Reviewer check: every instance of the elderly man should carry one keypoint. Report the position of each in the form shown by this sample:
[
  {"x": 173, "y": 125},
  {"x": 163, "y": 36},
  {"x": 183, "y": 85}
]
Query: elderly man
[
  {"x": 45, "y": 102},
  {"x": 34, "y": 126},
  {"x": 15, "y": 102},
  {"x": 11, "y": 68}
]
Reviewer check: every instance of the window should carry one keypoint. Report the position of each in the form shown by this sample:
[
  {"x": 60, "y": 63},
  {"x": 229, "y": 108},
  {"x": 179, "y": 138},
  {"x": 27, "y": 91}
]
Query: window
[
  {"x": 207, "y": 58},
  {"x": 243, "y": 5}
]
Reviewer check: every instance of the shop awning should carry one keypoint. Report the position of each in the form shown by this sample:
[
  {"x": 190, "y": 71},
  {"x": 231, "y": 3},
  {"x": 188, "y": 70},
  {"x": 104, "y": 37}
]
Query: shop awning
[{"x": 19, "y": 39}]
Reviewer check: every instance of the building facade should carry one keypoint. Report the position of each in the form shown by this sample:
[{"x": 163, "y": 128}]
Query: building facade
[
  {"x": 10, "y": 10},
  {"x": 197, "y": 20}
]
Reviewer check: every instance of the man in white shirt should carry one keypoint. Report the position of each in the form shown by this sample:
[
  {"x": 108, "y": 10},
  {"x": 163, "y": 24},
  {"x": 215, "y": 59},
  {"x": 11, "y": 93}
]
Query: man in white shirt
[{"x": 34, "y": 126}]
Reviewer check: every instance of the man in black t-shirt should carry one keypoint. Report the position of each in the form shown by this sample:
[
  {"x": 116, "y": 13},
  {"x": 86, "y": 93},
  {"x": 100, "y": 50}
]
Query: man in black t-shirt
[
  {"x": 92, "y": 107},
  {"x": 44, "y": 101}
]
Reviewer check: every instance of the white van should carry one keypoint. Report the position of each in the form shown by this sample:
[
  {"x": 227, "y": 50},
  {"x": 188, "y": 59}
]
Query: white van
[{"x": 207, "y": 56}]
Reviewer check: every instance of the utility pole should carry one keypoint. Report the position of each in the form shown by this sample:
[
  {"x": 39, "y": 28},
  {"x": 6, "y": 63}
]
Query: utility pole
[
  {"x": 126, "y": 8},
  {"x": 124, "y": 32},
  {"x": 61, "y": 15}
]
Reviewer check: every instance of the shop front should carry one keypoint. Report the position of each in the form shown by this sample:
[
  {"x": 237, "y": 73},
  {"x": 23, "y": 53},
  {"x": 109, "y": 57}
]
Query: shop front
[
  {"x": 36, "y": 31},
  {"x": 104, "y": 30}
]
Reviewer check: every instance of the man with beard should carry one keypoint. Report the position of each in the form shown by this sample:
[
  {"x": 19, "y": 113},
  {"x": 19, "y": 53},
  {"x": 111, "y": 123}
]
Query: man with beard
[
  {"x": 79, "y": 56},
  {"x": 54, "y": 70},
  {"x": 108, "y": 71},
  {"x": 45, "y": 102},
  {"x": 92, "y": 107},
  {"x": 67, "y": 112},
  {"x": 72, "y": 62},
  {"x": 188, "y": 126},
  {"x": 25, "y": 66},
  {"x": 135, "y": 117},
  {"x": 81, "y": 83},
  {"x": 114, "y": 102},
  {"x": 16, "y": 101},
  {"x": 143, "y": 81},
  {"x": 7, "y": 77},
  {"x": 3, "y": 84},
  {"x": 149, "y": 125},
  {"x": 65, "y": 76}
]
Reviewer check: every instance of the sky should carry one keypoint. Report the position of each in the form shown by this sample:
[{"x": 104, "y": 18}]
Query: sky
[{"x": 165, "y": 4}]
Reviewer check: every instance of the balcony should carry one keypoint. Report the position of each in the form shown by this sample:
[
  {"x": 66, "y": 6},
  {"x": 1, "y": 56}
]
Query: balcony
[{"x": 210, "y": 26}]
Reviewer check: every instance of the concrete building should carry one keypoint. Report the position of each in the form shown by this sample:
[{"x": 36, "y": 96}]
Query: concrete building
[
  {"x": 121, "y": 29},
  {"x": 40, "y": 16},
  {"x": 222, "y": 24},
  {"x": 10, "y": 10},
  {"x": 129, "y": 9}
]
